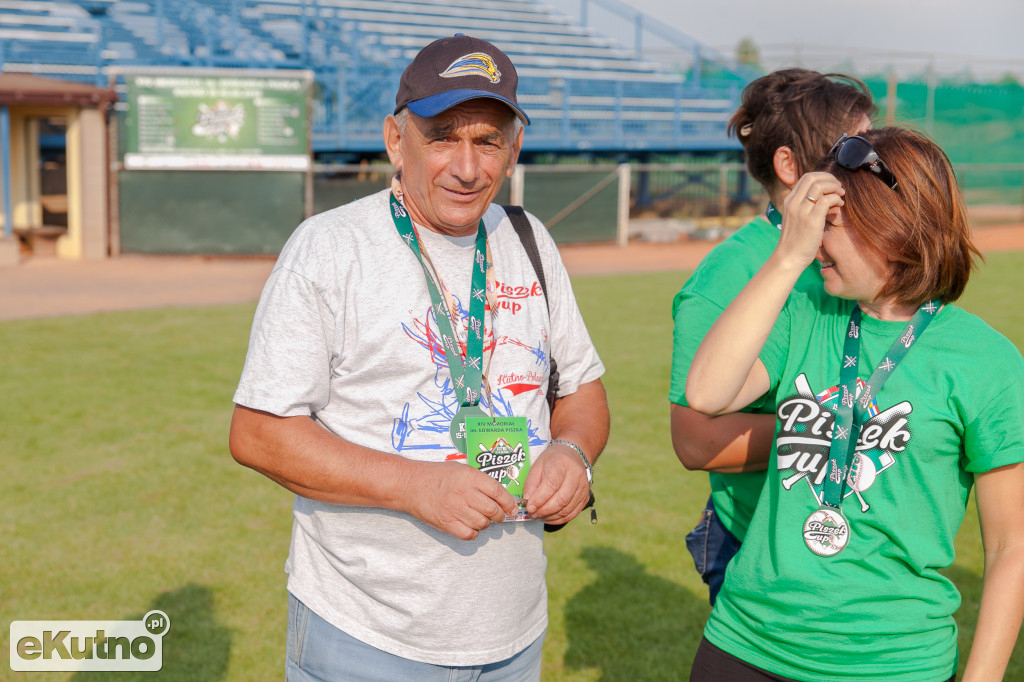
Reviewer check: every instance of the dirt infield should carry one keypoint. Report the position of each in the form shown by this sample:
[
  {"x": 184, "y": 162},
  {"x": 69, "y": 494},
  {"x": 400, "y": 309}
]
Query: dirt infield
[{"x": 47, "y": 287}]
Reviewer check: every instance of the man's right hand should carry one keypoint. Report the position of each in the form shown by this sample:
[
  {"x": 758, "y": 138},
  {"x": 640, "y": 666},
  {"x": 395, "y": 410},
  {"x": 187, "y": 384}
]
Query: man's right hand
[{"x": 456, "y": 498}]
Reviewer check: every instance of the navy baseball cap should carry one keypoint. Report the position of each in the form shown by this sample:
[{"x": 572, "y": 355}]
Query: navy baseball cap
[{"x": 452, "y": 70}]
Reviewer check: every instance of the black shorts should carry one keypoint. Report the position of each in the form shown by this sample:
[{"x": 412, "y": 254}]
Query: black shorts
[{"x": 711, "y": 664}]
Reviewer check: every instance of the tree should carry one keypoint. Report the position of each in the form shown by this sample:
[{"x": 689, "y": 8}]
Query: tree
[{"x": 747, "y": 53}]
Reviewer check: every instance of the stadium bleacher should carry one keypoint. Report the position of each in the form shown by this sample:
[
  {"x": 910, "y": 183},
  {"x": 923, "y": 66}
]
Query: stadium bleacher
[
  {"x": 56, "y": 39},
  {"x": 584, "y": 91}
]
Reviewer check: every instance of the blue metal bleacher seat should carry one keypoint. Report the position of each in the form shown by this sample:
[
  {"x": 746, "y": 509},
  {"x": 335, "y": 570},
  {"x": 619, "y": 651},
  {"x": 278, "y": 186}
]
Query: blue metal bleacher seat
[{"x": 583, "y": 90}]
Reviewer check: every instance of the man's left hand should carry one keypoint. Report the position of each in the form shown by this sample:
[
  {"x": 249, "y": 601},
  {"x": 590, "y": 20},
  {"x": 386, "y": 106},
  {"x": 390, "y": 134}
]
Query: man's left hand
[{"x": 556, "y": 488}]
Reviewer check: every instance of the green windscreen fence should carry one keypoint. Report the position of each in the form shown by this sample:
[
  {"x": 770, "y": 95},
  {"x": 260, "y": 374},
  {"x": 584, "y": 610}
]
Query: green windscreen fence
[
  {"x": 577, "y": 206},
  {"x": 214, "y": 161},
  {"x": 979, "y": 125},
  {"x": 339, "y": 187},
  {"x": 208, "y": 212}
]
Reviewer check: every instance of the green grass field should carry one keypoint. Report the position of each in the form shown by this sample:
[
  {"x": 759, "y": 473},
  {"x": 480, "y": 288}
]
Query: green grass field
[{"x": 118, "y": 495}]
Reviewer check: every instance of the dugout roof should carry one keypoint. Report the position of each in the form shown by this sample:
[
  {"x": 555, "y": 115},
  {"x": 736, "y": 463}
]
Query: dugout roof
[{"x": 27, "y": 90}]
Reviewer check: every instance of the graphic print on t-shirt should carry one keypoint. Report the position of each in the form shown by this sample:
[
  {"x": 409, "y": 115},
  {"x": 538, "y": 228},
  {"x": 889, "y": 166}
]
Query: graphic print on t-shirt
[
  {"x": 509, "y": 300},
  {"x": 512, "y": 298},
  {"x": 434, "y": 413},
  {"x": 531, "y": 379},
  {"x": 806, "y": 423}
]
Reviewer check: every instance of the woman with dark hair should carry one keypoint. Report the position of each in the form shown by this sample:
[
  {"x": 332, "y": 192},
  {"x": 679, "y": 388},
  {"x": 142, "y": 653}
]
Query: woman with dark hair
[
  {"x": 892, "y": 403},
  {"x": 786, "y": 122}
]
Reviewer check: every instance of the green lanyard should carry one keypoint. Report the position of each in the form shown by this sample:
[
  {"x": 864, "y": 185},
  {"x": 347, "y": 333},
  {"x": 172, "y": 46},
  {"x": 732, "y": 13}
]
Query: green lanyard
[
  {"x": 773, "y": 215},
  {"x": 466, "y": 376},
  {"x": 850, "y": 412}
]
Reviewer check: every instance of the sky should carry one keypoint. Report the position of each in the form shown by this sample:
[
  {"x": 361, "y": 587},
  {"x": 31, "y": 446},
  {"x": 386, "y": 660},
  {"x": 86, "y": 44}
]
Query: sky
[{"x": 980, "y": 33}]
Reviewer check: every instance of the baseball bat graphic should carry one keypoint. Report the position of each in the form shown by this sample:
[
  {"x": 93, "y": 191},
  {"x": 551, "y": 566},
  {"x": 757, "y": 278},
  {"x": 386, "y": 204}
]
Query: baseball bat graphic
[
  {"x": 886, "y": 416},
  {"x": 788, "y": 483},
  {"x": 863, "y": 471},
  {"x": 861, "y": 477},
  {"x": 803, "y": 387}
]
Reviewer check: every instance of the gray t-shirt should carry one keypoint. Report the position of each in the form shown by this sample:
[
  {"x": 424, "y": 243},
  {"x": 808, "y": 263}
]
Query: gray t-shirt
[{"x": 344, "y": 332}]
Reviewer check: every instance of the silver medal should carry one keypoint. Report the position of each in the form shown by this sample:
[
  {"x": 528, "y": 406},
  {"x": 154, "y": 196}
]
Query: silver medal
[
  {"x": 826, "y": 531},
  {"x": 457, "y": 430}
]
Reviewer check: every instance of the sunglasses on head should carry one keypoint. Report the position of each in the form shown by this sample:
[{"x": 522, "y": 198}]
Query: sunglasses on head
[{"x": 854, "y": 153}]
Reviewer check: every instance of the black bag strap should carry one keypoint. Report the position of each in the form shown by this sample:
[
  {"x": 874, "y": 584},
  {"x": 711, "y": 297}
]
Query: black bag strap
[{"x": 523, "y": 228}]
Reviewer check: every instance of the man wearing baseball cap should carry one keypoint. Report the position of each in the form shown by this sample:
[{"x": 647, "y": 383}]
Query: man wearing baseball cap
[{"x": 398, "y": 337}]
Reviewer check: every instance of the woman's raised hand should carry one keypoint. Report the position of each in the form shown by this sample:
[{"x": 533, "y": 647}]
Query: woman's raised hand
[{"x": 804, "y": 213}]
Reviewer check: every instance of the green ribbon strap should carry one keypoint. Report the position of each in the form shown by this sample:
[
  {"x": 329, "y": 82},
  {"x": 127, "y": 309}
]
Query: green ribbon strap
[
  {"x": 851, "y": 410},
  {"x": 466, "y": 375}
]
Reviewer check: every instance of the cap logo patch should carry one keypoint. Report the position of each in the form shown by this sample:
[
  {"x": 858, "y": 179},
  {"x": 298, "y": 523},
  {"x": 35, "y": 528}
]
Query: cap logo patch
[{"x": 475, "y": 64}]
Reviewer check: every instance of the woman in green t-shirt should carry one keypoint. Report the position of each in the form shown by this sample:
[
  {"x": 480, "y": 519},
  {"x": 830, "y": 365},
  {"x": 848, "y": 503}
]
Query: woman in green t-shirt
[
  {"x": 892, "y": 403},
  {"x": 786, "y": 122}
]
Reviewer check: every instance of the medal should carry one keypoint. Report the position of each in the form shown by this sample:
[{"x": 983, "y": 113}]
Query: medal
[
  {"x": 458, "y": 428},
  {"x": 826, "y": 531}
]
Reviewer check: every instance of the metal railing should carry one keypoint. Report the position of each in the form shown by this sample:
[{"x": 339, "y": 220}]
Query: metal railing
[{"x": 651, "y": 39}]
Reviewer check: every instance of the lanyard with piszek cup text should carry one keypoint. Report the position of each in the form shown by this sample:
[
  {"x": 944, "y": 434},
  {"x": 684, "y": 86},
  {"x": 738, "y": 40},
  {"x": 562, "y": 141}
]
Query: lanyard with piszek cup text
[
  {"x": 826, "y": 531},
  {"x": 466, "y": 376}
]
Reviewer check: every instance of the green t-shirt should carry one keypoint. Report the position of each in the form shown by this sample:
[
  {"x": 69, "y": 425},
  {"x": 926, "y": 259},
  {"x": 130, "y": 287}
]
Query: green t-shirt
[
  {"x": 879, "y": 609},
  {"x": 714, "y": 284}
]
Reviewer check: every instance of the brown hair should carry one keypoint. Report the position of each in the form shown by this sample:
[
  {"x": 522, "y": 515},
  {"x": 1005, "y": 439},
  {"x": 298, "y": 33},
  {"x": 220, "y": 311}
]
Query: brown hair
[
  {"x": 797, "y": 108},
  {"x": 921, "y": 228}
]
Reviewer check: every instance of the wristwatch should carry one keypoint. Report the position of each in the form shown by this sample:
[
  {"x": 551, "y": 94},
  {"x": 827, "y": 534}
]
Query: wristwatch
[{"x": 579, "y": 451}]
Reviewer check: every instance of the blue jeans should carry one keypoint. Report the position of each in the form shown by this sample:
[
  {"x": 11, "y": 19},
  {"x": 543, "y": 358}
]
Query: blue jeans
[
  {"x": 712, "y": 548},
  {"x": 320, "y": 652}
]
